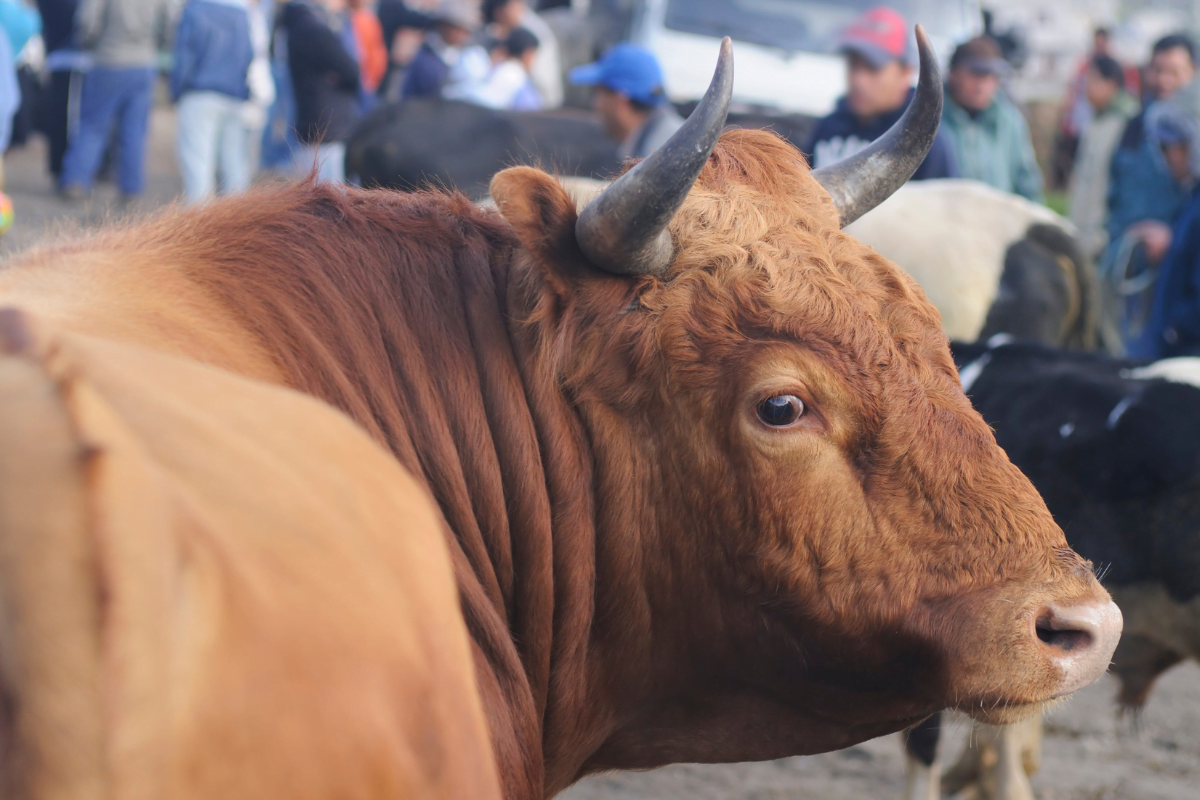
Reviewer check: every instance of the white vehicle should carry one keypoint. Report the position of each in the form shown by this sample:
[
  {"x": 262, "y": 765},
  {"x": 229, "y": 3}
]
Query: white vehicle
[{"x": 786, "y": 49}]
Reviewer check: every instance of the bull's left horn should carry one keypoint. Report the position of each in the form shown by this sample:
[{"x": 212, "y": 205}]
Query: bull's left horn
[
  {"x": 624, "y": 230},
  {"x": 865, "y": 180}
]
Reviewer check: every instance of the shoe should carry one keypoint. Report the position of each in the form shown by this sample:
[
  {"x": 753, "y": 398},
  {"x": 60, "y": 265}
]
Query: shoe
[{"x": 72, "y": 193}]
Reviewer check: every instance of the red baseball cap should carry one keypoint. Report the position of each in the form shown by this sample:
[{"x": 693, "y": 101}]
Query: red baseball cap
[{"x": 881, "y": 36}]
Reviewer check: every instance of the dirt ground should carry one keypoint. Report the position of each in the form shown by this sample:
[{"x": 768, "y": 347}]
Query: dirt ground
[{"x": 1088, "y": 755}]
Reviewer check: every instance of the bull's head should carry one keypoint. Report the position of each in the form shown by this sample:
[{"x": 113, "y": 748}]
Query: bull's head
[{"x": 824, "y": 540}]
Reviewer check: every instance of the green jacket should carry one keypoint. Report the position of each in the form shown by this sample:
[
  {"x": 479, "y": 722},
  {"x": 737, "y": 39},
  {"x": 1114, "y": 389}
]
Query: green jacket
[{"x": 994, "y": 146}]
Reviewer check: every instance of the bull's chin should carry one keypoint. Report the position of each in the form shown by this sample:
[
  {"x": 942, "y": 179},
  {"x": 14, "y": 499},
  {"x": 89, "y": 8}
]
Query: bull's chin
[{"x": 1006, "y": 713}]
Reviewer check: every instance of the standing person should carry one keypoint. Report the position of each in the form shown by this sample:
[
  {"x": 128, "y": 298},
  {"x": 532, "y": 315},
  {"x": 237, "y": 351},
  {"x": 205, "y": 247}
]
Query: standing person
[
  {"x": 1112, "y": 108},
  {"x": 1076, "y": 113},
  {"x": 213, "y": 52},
  {"x": 122, "y": 38},
  {"x": 368, "y": 37},
  {"x": 65, "y": 65},
  {"x": 447, "y": 58},
  {"x": 260, "y": 79},
  {"x": 1173, "y": 326},
  {"x": 509, "y": 85},
  {"x": 547, "y": 70},
  {"x": 880, "y": 59},
  {"x": 325, "y": 79},
  {"x": 989, "y": 135},
  {"x": 630, "y": 99},
  {"x": 1144, "y": 197},
  {"x": 404, "y": 30}
]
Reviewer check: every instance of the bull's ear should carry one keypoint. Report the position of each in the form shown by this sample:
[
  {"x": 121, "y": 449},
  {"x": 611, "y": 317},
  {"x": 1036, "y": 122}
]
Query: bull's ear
[{"x": 543, "y": 216}]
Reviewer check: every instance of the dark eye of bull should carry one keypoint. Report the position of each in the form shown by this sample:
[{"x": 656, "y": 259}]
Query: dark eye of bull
[{"x": 781, "y": 410}]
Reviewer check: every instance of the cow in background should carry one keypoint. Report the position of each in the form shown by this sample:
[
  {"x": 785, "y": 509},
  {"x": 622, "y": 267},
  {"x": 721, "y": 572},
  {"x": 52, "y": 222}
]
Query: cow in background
[
  {"x": 991, "y": 262},
  {"x": 1114, "y": 448}
]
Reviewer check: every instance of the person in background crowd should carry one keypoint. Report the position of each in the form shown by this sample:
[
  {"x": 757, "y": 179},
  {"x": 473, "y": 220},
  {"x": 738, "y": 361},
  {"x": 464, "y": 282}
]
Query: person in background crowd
[
  {"x": 630, "y": 99},
  {"x": 65, "y": 65},
  {"x": 1112, "y": 108},
  {"x": 509, "y": 85},
  {"x": 880, "y": 57},
  {"x": 547, "y": 69},
  {"x": 1144, "y": 198},
  {"x": 1077, "y": 112},
  {"x": 372, "y": 52},
  {"x": 1173, "y": 327},
  {"x": 213, "y": 51},
  {"x": 326, "y": 82},
  {"x": 260, "y": 80},
  {"x": 122, "y": 37},
  {"x": 989, "y": 135},
  {"x": 448, "y": 58},
  {"x": 10, "y": 100},
  {"x": 404, "y": 30},
  {"x": 20, "y": 24}
]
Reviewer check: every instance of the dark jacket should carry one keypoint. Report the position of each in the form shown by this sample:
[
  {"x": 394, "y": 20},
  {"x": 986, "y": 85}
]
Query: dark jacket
[
  {"x": 426, "y": 75},
  {"x": 1174, "y": 325},
  {"x": 1139, "y": 186},
  {"x": 58, "y": 23},
  {"x": 394, "y": 15},
  {"x": 324, "y": 75},
  {"x": 840, "y": 135},
  {"x": 212, "y": 49}
]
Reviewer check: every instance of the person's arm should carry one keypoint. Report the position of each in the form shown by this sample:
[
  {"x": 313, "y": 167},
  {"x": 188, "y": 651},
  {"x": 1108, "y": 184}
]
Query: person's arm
[
  {"x": 939, "y": 163},
  {"x": 89, "y": 21},
  {"x": 322, "y": 50},
  {"x": 1027, "y": 175},
  {"x": 184, "y": 55}
]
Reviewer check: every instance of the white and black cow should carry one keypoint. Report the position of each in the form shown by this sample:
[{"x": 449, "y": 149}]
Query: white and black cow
[
  {"x": 990, "y": 261},
  {"x": 1114, "y": 448}
]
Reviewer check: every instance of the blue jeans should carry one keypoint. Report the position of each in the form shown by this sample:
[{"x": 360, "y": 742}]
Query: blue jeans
[
  {"x": 119, "y": 96},
  {"x": 212, "y": 139}
]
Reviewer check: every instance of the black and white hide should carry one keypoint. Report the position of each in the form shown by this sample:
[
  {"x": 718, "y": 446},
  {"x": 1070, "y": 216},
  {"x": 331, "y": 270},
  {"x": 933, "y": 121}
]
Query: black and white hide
[{"x": 1114, "y": 448}]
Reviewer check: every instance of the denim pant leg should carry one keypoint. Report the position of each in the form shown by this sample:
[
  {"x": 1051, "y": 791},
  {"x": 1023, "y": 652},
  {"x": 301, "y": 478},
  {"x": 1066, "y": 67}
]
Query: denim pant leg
[
  {"x": 133, "y": 126},
  {"x": 233, "y": 148},
  {"x": 99, "y": 101},
  {"x": 197, "y": 133}
]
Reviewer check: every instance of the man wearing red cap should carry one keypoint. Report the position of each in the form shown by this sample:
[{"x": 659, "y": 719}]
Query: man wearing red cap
[{"x": 880, "y": 56}]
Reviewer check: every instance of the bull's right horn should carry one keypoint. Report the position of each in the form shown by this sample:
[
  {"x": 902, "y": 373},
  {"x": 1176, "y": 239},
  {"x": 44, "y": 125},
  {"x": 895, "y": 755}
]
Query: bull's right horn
[
  {"x": 865, "y": 180},
  {"x": 624, "y": 230}
]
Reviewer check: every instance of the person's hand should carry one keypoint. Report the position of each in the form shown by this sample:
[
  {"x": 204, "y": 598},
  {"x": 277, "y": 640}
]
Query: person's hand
[{"x": 1155, "y": 237}]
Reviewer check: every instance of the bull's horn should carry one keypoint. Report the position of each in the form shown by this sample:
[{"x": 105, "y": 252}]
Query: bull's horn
[
  {"x": 624, "y": 230},
  {"x": 866, "y": 179}
]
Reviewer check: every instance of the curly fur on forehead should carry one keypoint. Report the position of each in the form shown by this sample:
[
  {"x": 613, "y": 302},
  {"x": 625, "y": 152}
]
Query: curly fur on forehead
[{"x": 760, "y": 253}]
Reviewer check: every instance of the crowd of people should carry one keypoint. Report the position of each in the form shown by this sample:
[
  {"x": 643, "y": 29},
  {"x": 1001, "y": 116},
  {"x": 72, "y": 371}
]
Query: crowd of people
[{"x": 274, "y": 83}]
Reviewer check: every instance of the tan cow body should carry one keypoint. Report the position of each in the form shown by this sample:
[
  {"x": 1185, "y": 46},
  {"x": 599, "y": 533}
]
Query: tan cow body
[
  {"x": 212, "y": 587},
  {"x": 201, "y": 605}
]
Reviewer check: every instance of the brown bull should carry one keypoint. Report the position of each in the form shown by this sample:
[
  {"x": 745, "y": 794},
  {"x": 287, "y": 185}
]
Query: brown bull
[{"x": 707, "y": 480}]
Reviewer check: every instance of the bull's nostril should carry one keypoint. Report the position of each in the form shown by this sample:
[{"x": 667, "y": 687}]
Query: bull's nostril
[{"x": 1066, "y": 640}]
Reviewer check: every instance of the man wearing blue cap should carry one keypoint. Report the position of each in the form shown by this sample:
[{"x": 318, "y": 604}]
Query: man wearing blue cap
[
  {"x": 630, "y": 99},
  {"x": 880, "y": 57}
]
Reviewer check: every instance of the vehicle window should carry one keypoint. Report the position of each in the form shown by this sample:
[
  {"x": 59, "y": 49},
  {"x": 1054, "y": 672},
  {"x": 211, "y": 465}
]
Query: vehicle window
[{"x": 808, "y": 25}]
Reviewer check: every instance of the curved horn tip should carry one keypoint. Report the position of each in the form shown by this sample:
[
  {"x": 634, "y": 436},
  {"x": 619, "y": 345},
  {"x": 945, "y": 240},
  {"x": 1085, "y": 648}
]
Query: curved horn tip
[
  {"x": 863, "y": 181},
  {"x": 624, "y": 229}
]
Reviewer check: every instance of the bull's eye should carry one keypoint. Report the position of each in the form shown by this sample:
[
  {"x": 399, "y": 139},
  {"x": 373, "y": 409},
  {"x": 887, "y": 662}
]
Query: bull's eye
[{"x": 781, "y": 410}]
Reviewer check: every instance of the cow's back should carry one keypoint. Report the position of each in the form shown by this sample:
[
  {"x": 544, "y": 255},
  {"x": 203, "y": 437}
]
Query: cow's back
[{"x": 210, "y": 587}]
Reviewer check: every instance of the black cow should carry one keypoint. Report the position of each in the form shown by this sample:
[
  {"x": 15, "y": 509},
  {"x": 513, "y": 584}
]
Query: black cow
[
  {"x": 446, "y": 143},
  {"x": 1114, "y": 448}
]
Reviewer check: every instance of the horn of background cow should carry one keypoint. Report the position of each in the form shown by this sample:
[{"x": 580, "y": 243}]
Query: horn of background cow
[
  {"x": 624, "y": 230},
  {"x": 865, "y": 180}
]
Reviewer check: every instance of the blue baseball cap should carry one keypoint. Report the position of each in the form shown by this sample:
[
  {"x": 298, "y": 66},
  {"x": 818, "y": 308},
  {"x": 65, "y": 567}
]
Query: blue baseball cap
[{"x": 627, "y": 68}]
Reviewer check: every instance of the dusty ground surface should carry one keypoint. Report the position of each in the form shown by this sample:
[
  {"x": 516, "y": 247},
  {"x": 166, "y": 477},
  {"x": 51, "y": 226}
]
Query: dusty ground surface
[{"x": 1089, "y": 754}]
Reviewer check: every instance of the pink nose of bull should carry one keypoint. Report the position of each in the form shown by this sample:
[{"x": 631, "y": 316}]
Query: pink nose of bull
[{"x": 1081, "y": 639}]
